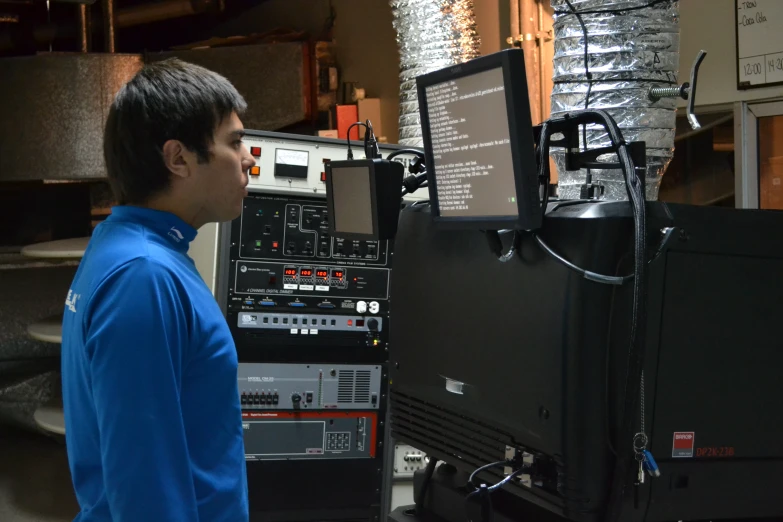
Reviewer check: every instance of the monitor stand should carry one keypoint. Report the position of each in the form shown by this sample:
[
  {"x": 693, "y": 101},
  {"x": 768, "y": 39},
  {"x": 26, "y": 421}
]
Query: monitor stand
[{"x": 444, "y": 501}]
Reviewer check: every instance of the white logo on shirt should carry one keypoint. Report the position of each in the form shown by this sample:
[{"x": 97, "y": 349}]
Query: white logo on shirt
[
  {"x": 176, "y": 235},
  {"x": 70, "y": 301}
]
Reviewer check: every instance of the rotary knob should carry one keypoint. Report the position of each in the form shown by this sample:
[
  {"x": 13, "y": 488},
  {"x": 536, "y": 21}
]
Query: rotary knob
[
  {"x": 372, "y": 324},
  {"x": 296, "y": 399}
]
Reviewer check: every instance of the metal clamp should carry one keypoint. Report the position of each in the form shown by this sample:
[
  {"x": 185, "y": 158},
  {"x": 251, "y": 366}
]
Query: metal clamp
[{"x": 686, "y": 91}]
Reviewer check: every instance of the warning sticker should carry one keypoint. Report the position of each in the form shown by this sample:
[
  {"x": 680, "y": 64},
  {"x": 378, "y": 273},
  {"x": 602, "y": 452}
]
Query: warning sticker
[{"x": 682, "y": 444}]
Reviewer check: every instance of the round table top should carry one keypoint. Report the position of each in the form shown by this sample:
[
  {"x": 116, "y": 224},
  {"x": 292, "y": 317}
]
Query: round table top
[
  {"x": 48, "y": 330},
  {"x": 50, "y": 417},
  {"x": 59, "y": 249}
]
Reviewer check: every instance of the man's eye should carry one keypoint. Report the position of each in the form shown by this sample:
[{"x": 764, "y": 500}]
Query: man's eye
[{"x": 237, "y": 144}]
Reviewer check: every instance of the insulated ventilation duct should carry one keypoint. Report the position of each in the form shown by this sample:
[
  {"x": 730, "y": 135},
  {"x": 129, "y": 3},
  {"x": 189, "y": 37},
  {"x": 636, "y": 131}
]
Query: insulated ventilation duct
[
  {"x": 632, "y": 47},
  {"x": 431, "y": 35}
]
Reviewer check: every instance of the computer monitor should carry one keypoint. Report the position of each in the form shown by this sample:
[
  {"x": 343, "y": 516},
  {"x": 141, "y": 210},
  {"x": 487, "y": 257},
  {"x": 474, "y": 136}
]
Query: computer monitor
[{"x": 478, "y": 143}]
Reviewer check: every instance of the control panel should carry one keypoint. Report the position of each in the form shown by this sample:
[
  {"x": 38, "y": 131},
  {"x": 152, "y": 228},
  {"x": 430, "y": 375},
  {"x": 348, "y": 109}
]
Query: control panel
[
  {"x": 309, "y": 435},
  {"x": 291, "y": 284},
  {"x": 298, "y": 231},
  {"x": 317, "y": 286},
  {"x": 294, "y": 164},
  {"x": 264, "y": 387}
]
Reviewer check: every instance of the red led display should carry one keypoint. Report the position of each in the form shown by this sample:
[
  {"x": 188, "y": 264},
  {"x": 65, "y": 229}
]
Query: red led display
[
  {"x": 337, "y": 274},
  {"x": 290, "y": 272},
  {"x": 322, "y": 274},
  {"x": 306, "y": 272}
]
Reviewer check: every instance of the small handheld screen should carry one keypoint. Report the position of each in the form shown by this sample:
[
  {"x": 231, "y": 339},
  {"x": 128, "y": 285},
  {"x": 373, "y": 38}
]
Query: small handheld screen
[{"x": 352, "y": 199}]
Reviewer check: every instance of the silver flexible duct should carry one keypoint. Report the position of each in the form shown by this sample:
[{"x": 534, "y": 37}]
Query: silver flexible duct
[
  {"x": 633, "y": 45},
  {"x": 431, "y": 35}
]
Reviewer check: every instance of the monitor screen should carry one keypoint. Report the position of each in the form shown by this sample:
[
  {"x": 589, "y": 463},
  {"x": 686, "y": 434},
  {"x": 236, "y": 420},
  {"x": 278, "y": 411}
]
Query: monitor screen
[
  {"x": 352, "y": 200},
  {"x": 471, "y": 146}
]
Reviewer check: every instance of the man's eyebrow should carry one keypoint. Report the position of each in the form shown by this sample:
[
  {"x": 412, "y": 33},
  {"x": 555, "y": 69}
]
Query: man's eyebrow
[{"x": 240, "y": 133}]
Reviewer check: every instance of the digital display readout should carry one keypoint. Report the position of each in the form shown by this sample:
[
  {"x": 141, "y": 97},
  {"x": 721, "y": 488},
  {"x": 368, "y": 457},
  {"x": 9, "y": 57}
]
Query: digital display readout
[
  {"x": 291, "y": 272},
  {"x": 337, "y": 274},
  {"x": 306, "y": 272},
  {"x": 321, "y": 274}
]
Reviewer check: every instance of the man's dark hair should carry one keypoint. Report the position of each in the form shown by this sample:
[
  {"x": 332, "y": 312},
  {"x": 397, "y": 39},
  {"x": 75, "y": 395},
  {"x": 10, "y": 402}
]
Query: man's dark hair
[{"x": 166, "y": 100}]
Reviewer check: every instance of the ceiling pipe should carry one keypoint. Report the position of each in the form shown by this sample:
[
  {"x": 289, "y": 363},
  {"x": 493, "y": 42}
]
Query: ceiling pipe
[
  {"x": 83, "y": 28},
  {"x": 123, "y": 18},
  {"x": 110, "y": 38}
]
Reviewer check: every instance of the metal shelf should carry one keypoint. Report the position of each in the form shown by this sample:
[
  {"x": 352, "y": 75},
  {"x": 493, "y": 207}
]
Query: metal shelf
[
  {"x": 50, "y": 417},
  {"x": 49, "y": 330},
  {"x": 61, "y": 249}
]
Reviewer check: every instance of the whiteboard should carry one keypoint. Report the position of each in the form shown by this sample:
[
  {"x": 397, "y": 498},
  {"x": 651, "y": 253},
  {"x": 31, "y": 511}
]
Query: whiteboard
[{"x": 759, "y": 43}]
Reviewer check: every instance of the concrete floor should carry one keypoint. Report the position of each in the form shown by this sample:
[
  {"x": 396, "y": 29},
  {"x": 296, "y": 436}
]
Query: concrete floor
[{"x": 35, "y": 484}]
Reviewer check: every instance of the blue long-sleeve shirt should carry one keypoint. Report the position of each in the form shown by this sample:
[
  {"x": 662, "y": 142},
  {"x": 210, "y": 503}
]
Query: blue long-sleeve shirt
[{"x": 152, "y": 414}]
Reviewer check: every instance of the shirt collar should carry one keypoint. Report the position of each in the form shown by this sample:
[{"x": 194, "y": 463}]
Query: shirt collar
[{"x": 168, "y": 225}]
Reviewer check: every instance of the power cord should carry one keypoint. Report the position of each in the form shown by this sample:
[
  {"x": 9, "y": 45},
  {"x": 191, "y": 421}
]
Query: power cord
[
  {"x": 484, "y": 491},
  {"x": 371, "y": 150},
  {"x": 422, "y": 496},
  {"x": 417, "y": 168},
  {"x": 348, "y": 136},
  {"x": 591, "y": 276}
]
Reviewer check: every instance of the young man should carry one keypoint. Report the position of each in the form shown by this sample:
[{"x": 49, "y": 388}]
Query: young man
[{"x": 152, "y": 414}]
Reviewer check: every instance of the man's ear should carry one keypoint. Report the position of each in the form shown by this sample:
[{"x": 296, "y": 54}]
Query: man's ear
[{"x": 175, "y": 157}]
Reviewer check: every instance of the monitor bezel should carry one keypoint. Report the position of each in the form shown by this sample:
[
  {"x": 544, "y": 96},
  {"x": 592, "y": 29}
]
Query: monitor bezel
[
  {"x": 373, "y": 200},
  {"x": 526, "y": 183}
]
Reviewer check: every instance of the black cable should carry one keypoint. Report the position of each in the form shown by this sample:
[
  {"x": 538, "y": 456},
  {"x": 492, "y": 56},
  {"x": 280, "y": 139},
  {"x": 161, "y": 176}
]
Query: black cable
[
  {"x": 484, "y": 491},
  {"x": 591, "y": 276},
  {"x": 413, "y": 182},
  {"x": 348, "y": 137},
  {"x": 589, "y": 76},
  {"x": 543, "y": 165},
  {"x": 421, "y": 497},
  {"x": 370, "y": 143},
  {"x": 496, "y": 245},
  {"x": 636, "y": 350},
  {"x": 618, "y": 11},
  {"x": 487, "y": 509},
  {"x": 405, "y": 151}
]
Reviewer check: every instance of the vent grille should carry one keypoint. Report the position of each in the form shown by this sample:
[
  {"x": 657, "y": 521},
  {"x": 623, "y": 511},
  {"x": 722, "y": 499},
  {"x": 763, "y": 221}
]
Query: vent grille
[
  {"x": 362, "y": 389},
  {"x": 437, "y": 430},
  {"x": 345, "y": 386}
]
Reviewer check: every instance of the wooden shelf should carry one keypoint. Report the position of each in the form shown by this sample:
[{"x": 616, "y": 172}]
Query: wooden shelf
[
  {"x": 50, "y": 417},
  {"x": 61, "y": 249},
  {"x": 49, "y": 330}
]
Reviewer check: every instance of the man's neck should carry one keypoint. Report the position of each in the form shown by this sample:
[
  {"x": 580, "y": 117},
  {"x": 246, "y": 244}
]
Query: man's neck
[{"x": 192, "y": 217}]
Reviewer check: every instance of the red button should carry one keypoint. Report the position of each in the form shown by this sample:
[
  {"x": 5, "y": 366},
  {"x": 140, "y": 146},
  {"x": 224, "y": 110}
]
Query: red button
[
  {"x": 323, "y": 176},
  {"x": 274, "y": 244},
  {"x": 255, "y": 151},
  {"x": 350, "y": 322}
]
